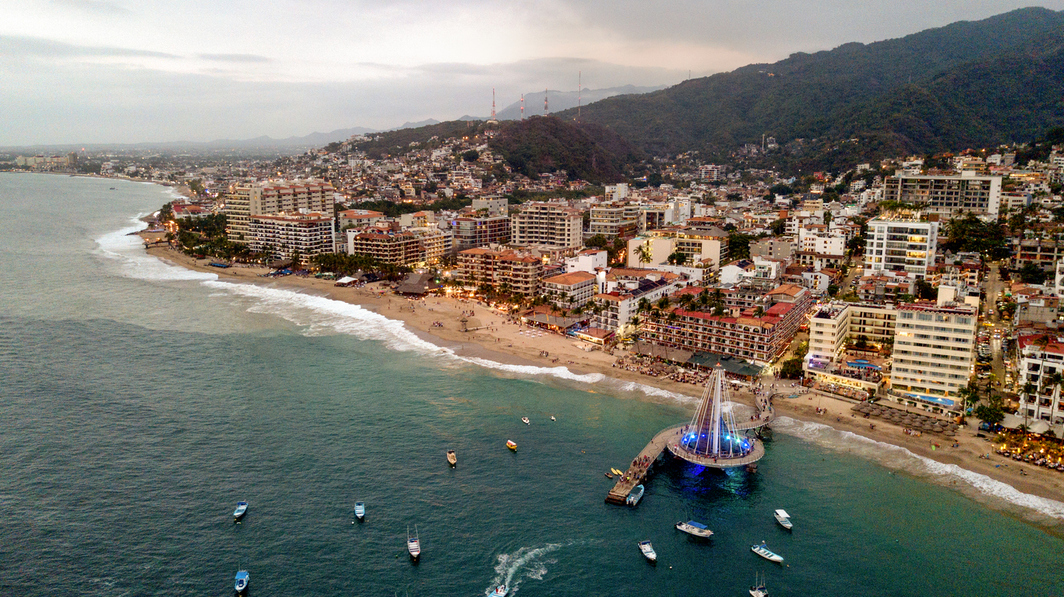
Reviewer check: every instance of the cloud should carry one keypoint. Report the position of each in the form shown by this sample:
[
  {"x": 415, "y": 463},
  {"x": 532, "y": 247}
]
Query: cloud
[
  {"x": 31, "y": 47},
  {"x": 234, "y": 57}
]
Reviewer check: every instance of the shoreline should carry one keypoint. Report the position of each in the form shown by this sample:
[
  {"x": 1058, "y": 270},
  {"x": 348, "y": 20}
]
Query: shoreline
[{"x": 435, "y": 320}]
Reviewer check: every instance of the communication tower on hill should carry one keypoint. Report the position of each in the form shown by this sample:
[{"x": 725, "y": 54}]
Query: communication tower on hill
[
  {"x": 492, "y": 120},
  {"x": 579, "y": 93},
  {"x": 522, "y": 106},
  {"x": 545, "y": 110}
]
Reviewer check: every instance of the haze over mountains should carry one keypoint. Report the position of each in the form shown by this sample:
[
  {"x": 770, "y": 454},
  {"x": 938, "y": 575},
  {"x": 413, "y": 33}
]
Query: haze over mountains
[{"x": 967, "y": 84}]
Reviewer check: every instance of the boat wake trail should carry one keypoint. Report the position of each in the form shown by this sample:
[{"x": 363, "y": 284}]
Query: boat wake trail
[
  {"x": 974, "y": 484},
  {"x": 527, "y": 562}
]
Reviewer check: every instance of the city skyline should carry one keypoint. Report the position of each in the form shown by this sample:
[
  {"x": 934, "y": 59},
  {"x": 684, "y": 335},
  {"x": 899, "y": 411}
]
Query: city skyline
[{"x": 97, "y": 71}]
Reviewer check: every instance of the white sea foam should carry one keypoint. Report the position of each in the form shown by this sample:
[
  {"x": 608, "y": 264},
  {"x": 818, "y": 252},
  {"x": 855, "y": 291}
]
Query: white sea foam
[
  {"x": 127, "y": 249},
  {"x": 527, "y": 562},
  {"x": 901, "y": 458}
]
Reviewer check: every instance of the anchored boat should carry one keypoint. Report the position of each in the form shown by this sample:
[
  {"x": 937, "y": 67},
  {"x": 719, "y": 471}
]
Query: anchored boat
[
  {"x": 763, "y": 551},
  {"x": 636, "y": 495},
  {"x": 510, "y": 444},
  {"x": 360, "y": 510},
  {"x": 694, "y": 528},
  {"x": 784, "y": 519},
  {"x": 413, "y": 544},
  {"x": 525, "y": 421},
  {"x": 759, "y": 590},
  {"x": 648, "y": 552},
  {"x": 241, "y": 510},
  {"x": 452, "y": 458}
]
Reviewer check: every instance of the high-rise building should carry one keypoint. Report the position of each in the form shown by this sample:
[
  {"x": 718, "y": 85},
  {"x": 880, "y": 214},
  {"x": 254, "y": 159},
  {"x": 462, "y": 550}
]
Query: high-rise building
[
  {"x": 549, "y": 224},
  {"x": 273, "y": 197},
  {"x": 901, "y": 242},
  {"x": 289, "y": 236},
  {"x": 934, "y": 352},
  {"x": 947, "y": 196}
]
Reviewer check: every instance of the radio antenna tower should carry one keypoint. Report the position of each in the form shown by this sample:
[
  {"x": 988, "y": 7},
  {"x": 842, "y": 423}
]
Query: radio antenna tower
[
  {"x": 545, "y": 110},
  {"x": 493, "y": 103},
  {"x": 522, "y": 106}
]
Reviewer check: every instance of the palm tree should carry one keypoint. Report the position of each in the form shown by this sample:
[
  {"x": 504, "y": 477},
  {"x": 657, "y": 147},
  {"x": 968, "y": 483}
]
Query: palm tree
[{"x": 644, "y": 253}]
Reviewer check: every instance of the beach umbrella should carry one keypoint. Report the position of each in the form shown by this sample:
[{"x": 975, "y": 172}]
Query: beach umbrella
[{"x": 951, "y": 433}]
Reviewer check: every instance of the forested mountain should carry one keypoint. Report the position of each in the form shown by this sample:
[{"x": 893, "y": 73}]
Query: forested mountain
[
  {"x": 966, "y": 84},
  {"x": 547, "y": 144}
]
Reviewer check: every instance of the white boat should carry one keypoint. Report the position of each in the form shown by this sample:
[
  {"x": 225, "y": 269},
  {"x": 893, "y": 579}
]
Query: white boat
[
  {"x": 636, "y": 495},
  {"x": 500, "y": 591},
  {"x": 552, "y": 418},
  {"x": 648, "y": 552},
  {"x": 525, "y": 421},
  {"x": 452, "y": 458},
  {"x": 694, "y": 528},
  {"x": 360, "y": 510},
  {"x": 242, "y": 580},
  {"x": 759, "y": 590},
  {"x": 413, "y": 544},
  {"x": 763, "y": 551},
  {"x": 784, "y": 519},
  {"x": 241, "y": 510}
]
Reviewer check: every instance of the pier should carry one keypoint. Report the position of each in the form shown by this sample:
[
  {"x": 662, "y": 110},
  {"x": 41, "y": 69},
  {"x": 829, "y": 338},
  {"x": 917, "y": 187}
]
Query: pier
[{"x": 713, "y": 439}]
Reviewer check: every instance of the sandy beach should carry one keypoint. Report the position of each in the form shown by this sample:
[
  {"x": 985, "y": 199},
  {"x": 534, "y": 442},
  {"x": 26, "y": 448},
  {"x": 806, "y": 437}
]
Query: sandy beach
[{"x": 491, "y": 336}]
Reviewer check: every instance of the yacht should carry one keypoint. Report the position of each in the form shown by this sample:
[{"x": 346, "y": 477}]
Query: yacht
[
  {"x": 758, "y": 589},
  {"x": 635, "y": 496},
  {"x": 242, "y": 580}
]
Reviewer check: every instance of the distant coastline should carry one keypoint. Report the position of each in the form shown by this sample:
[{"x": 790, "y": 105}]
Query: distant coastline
[{"x": 436, "y": 320}]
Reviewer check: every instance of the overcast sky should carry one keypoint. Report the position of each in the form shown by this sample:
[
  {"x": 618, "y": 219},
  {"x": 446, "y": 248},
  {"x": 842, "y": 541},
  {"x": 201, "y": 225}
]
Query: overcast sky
[{"x": 125, "y": 71}]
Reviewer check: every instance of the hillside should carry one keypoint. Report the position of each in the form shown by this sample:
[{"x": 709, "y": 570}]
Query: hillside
[
  {"x": 969, "y": 83},
  {"x": 548, "y": 144}
]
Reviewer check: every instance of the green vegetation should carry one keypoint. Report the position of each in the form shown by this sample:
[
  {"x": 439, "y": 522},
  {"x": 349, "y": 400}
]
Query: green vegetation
[
  {"x": 346, "y": 265},
  {"x": 970, "y": 234},
  {"x": 392, "y": 209},
  {"x": 206, "y": 237},
  {"x": 968, "y": 84},
  {"x": 791, "y": 368},
  {"x": 739, "y": 245},
  {"x": 548, "y": 144}
]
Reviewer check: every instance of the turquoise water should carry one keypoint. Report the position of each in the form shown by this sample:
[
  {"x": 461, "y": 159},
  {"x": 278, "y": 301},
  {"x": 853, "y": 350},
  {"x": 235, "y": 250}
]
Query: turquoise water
[{"x": 140, "y": 402}]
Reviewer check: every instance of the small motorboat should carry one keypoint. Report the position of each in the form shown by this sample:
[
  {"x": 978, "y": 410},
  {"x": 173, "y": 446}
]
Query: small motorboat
[
  {"x": 241, "y": 510},
  {"x": 648, "y": 552},
  {"x": 758, "y": 589},
  {"x": 360, "y": 510},
  {"x": 609, "y": 475},
  {"x": 784, "y": 519},
  {"x": 552, "y": 418},
  {"x": 500, "y": 591},
  {"x": 695, "y": 529},
  {"x": 242, "y": 580},
  {"x": 452, "y": 458},
  {"x": 510, "y": 444},
  {"x": 763, "y": 551},
  {"x": 525, "y": 421},
  {"x": 413, "y": 544},
  {"x": 634, "y": 497}
]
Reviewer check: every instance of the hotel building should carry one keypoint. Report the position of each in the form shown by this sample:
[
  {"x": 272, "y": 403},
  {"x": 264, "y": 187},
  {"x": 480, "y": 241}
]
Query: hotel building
[{"x": 901, "y": 242}]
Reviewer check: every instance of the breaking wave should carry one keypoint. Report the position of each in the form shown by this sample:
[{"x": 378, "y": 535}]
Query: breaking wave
[{"x": 899, "y": 458}]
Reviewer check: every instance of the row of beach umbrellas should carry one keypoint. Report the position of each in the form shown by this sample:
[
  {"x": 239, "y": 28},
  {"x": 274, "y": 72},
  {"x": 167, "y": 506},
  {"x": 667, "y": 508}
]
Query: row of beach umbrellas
[{"x": 907, "y": 419}]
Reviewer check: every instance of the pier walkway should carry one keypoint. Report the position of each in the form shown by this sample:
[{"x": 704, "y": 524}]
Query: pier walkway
[{"x": 638, "y": 471}]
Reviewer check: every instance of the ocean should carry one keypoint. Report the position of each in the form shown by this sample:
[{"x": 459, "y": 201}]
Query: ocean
[{"x": 140, "y": 401}]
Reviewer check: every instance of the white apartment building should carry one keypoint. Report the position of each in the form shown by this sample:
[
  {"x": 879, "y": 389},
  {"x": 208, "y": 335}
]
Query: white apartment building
[
  {"x": 570, "y": 290},
  {"x": 700, "y": 248},
  {"x": 590, "y": 260},
  {"x": 286, "y": 236},
  {"x": 614, "y": 219},
  {"x": 901, "y": 242},
  {"x": 615, "y": 192},
  {"x": 550, "y": 224},
  {"x": 934, "y": 351},
  {"x": 1041, "y": 356},
  {"x": 273, "y": 197},
  {"x": 948, "y": 195}
]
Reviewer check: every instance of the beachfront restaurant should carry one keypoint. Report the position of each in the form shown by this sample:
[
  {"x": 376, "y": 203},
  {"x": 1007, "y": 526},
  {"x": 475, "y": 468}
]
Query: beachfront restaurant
[{"x": 847, "y": 377}]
